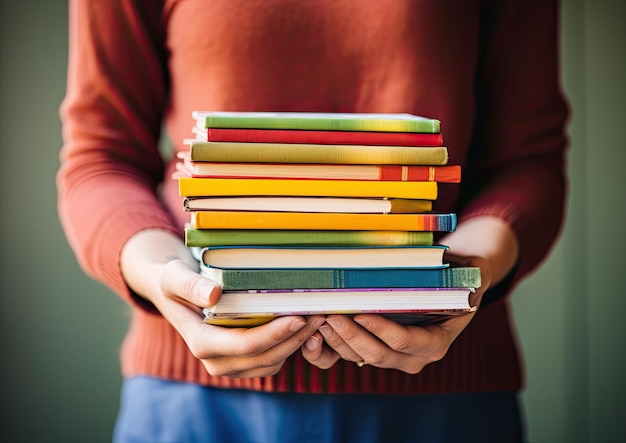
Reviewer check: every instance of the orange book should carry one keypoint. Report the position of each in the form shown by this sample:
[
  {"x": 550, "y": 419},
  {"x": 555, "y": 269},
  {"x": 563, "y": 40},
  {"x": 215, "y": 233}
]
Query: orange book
[{"x": 322, "y": 221}]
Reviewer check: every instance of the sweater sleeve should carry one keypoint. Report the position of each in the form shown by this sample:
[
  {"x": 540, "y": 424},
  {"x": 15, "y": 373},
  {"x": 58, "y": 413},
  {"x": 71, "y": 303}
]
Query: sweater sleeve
[
  {"x": 517, "y": 168},
  {"x": 111, "y": 117}
]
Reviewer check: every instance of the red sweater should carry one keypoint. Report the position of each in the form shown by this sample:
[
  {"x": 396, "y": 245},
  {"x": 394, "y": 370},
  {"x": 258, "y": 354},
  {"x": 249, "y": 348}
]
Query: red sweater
[{"x": 487, "y": 69}]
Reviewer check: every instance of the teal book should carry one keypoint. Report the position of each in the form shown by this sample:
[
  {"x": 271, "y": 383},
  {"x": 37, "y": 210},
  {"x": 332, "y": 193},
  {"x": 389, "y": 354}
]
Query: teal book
[
  {"x": 257, "y": 279},
  {"x": 234, "y": 237},
  {"x": 318, "y": 121}
]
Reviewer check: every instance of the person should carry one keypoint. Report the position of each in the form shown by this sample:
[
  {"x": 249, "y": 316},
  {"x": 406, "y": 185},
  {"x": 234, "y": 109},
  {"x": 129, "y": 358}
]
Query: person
[{"x": 487, "y": 70}]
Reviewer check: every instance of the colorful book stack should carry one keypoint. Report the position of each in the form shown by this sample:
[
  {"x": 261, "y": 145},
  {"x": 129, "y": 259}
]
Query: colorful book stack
[{"x": 306, "y": 213}]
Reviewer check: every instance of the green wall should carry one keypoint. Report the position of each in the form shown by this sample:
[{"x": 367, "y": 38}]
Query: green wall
[{"x": 60, "y": 332}]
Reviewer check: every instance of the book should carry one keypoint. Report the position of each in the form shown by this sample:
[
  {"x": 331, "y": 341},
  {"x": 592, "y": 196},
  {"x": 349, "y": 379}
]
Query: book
[
  {"x": 307, "y": 204},
  {"x": 322, "y": 221},
  {"x": 318, "y": 137},
  {"x": 441, "y": 174},
  {"x": 226, "y": 237},
  {"x": 312, "y": 257},
  {"x": 236, "y": 152},
  {"x": 204, "y": 187},
  {"x": 239, "y": 308},
  {"x": 244, "y": 279},
  {"x": 318, "y": 121}
]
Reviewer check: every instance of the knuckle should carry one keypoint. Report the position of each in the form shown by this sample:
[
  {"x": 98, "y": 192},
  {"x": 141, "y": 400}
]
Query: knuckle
[
  {"x": 415, "y": 369},
  {"x": 216, "y": 370},
  {"x": 400, "y": 343},
  {"x": 437, "y": 353},
  {"x": 377, "y": 359},
  {"x": 198, "y": 350},
  {"x": 191, "y": 283}
]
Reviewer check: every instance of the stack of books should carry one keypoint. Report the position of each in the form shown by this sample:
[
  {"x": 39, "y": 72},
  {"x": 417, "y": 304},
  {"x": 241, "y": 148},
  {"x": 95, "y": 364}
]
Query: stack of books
[{"x": 314, "y": 213}]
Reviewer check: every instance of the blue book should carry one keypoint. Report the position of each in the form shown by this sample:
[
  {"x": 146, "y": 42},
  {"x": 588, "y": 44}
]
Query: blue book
[{"x": 261, "y": 279}]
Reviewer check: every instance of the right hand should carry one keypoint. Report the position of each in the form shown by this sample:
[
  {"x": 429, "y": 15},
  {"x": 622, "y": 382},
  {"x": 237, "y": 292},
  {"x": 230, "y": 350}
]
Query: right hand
[{"x": 179, "y": 293}]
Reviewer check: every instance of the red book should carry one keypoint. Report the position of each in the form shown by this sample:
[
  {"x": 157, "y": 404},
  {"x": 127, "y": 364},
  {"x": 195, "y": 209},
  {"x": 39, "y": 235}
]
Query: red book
[{"x": 318, "y": 137}]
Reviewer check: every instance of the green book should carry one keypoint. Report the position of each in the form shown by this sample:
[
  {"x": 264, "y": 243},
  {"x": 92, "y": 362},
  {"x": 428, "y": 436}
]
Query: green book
[
  {"x": 318, "y": 121},
  {"x": 255, "y": 237},
  {"x": 259, "y": 279},
  {"x": 236, "y": 152}
]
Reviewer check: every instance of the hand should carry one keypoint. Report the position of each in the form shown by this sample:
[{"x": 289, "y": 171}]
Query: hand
[
  {"x": 157, "y": 266},
  {"x": 386, "y": 344},
  {"x": 484, "y": 241}
]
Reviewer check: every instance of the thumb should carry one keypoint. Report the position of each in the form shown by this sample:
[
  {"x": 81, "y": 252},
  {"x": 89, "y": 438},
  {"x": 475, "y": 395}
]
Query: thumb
[{"x": 179, "y": 280}]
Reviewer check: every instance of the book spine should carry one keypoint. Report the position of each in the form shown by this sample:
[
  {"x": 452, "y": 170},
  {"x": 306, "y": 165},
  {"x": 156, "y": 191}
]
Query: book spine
[
  {"x": 322, "y": 137},
  {"x": 328, "y": 124},
  {"x": 198, "y": 187},
  {"x": 322, "y": 221},
  {"x": 233, "y": 152},
  {"x": 226, "y": 237},
  {"x": 350, "y": 279},
  {"x": 441, "y": 174}
]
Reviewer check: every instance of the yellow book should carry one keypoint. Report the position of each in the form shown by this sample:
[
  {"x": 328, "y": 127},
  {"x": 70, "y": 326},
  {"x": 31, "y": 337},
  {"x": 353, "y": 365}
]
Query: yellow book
[
  {"x": 204, "y": 187},
  {"x": 322, "y": 221}
]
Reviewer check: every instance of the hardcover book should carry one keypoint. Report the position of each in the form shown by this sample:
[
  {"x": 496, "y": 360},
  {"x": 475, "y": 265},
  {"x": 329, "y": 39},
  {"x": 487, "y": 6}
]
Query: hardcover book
[
  {"x": 441, "y": 174},
  {"x": 409, "y": 304},
  {"x": 225, "y": 237},
  {"x": 310, "y": 257},
  {"x": 318, "y": 137},
  {"x": 245, "y": 279},
  {"x": 204, "y": 187},
  {"x": 322, "y": 221},
  {"x": 307, "y": 204},
  {"x": 320, "y": 153},
  {"x": 318, "y": 121}
]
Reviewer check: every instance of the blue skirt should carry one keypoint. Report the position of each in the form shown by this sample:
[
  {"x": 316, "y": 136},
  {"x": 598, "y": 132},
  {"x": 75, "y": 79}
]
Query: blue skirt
[{"x": 154, "y": 410}]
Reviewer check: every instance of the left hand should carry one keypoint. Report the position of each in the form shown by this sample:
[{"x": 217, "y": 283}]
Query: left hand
[{"x": 384, "y": 343}]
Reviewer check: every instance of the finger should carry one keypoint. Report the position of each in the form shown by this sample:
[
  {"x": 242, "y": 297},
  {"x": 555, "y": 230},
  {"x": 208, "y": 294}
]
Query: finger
[
  {"x": 179, "y": 280},
  {"x": 316, "y": 353},
  {"x": 430, "y": 342},
  {"x": 337, "y": 343},
  {"x": 367, "y": 346},
  {"x": 270, "y": 358},
  {"x": 217, "y": 341},
  {"x": 402, "y": 339}
]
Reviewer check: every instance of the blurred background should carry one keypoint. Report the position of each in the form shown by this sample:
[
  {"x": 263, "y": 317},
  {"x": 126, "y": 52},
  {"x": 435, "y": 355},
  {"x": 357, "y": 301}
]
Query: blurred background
[{"x": 60, "y": 331}]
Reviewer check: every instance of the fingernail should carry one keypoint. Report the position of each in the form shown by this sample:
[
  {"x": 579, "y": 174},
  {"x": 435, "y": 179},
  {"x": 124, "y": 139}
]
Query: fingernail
[
  {"x": 313, "y": 343},
  {"x": 336, "y": 323},
  {"x": 363, "y": 322},
  {"x": 296, "y": 325},
  {"x": 326, "y": 331}
]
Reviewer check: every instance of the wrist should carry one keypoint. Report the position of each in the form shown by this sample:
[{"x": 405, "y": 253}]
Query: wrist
[{"x": 488, "y": 238}]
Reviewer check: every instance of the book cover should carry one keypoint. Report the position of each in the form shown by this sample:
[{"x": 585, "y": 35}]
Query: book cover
[
  {"x": 322, "y": 221},
  {"x": 441, "y": 174},
  {"x": 225, "y": 237},
  {"x": 307, "y": 204},
  {"x": 312, "y": 257},
  {"x": 235, "y": 152},
  {"x": 266, "y": 304},
  {"x": 318, "y": 137},
  {"x": 244, "y": 279},
  {"x": 204, "y": 187},
  {"x": 318, "y": 121}
]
